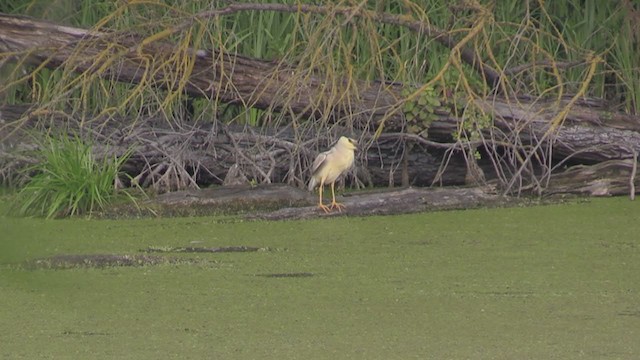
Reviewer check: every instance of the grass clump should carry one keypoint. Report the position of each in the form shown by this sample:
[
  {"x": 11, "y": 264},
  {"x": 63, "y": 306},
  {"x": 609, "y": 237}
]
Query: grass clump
[{"x": 68, "y": 180}]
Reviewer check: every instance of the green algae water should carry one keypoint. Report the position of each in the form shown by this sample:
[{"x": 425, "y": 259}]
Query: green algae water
[{"x": 547, "y": 282}]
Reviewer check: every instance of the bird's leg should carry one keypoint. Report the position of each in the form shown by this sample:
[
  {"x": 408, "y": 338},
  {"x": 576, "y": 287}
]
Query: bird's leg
[
  {"x": 335, "y": 204},
  {"x": 320, "y": 204}
]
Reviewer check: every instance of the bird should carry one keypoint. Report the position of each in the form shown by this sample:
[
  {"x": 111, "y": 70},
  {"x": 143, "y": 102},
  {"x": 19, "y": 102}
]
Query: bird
[{"x": 328, "y": 166}]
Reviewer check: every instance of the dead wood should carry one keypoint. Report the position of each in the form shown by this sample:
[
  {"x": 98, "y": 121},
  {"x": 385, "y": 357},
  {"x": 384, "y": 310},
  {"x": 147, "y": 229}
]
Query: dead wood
[
  {"x": 375, "y": 202},
  {"x": 614, "y": 177},
  {"x": 400, "y": 201}
]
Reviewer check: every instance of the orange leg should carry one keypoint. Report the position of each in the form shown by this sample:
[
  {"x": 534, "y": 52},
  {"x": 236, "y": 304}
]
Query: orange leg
[
  {"x": 320, "y": 204},
  {"x": 335, "y": 204}
]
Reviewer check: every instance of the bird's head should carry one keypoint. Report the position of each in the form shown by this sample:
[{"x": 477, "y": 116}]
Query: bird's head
[{"x": 348, "y": 143}]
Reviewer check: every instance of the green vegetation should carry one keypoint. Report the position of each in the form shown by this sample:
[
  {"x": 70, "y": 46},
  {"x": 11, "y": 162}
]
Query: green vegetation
[
  {"x": 542, "y": 48},
  {"x": 421, "y": 112},
  {"x": 552, "y": 282},
  {"x": 68, "y": 180}
]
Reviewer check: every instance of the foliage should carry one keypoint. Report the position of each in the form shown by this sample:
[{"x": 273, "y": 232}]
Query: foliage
[
  {"x": 69, "y": 180},
  {"x": 421, "y": 112}
]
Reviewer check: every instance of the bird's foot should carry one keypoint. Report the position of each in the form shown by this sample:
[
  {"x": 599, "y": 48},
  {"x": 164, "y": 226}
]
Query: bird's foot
[
  {"x": 325, "y": 208},
  {"x": 337, "y": 205}
]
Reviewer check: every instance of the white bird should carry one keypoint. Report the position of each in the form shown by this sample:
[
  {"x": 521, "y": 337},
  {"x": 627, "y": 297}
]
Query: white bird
[{"x": 329, "y": 165}]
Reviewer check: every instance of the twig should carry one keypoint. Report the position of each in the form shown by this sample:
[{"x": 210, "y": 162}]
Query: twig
[
  {"x": 632, "y": 178},
  {"x": 544, "y": 64}
]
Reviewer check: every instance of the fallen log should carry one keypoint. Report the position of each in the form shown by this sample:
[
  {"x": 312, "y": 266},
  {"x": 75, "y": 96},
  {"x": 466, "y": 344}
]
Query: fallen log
[
  {"x": 608, "y": 178},
  {"x": 400, "y": 201},
  {"x": 283, "y": 202}
]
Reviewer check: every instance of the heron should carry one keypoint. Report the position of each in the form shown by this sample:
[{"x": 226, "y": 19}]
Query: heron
[{"x": 328, "y": 166}]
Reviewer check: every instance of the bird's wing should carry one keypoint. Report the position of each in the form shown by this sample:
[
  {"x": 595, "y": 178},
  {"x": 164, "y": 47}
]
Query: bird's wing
[
  {"x": 316, "y": 168},
  {"x": 317, "y": 163}
]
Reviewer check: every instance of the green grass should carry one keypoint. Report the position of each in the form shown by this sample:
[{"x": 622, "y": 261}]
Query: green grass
[
  {"x": 552, "y": 282},
  {"x": 68, "y": 180}
]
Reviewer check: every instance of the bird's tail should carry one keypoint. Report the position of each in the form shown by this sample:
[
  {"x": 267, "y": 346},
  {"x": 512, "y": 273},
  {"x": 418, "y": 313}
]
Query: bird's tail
[{"x": 312, "y": 183}]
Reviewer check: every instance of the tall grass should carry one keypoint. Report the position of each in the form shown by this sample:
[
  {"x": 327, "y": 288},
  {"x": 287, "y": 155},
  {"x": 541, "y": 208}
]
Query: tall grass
[
  {"x": 68, "y": 180},
  {"x": 545, "y": 34}
]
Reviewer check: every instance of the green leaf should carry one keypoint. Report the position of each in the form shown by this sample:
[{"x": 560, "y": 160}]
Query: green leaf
[
  {"x": 433, "y": 101},
  {"x": 409, "y": 106}
]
